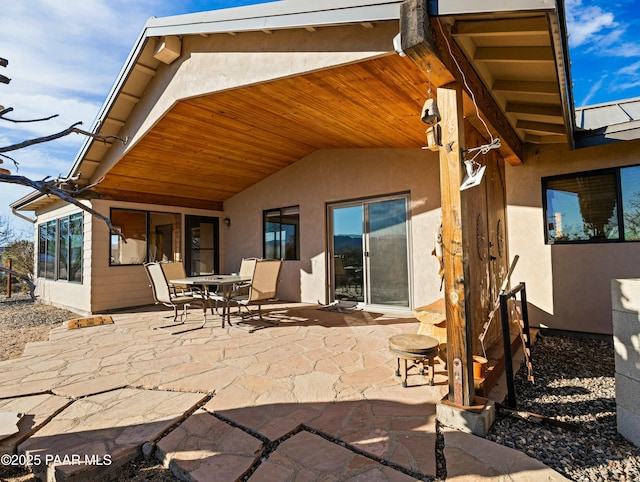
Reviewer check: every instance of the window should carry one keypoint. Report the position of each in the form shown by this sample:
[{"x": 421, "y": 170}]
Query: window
[
  {"x": 282, "y": 233},
  {"x": 597, "y": 206},
  {"x": 150, "y": 236},
  {"x": 60, "y": 249}
]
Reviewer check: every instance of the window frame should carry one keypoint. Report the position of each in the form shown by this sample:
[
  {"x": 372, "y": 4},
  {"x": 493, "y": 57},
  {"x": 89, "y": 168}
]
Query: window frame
[
  {"x": 619, "y": 205},
  {"x": 147, "y": 233},
  {"x": 282, "y": 212},
  {"x": 52, "y": 241}
]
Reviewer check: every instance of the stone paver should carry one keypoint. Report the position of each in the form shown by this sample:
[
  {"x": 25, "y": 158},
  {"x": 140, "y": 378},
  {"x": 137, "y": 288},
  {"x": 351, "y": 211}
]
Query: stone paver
[
  {"x": 37, "y": 410},
  {"x": 104, "y": 431},
  {"x": 331, "y": 373},
  {"x": 473, "y": 459},
  {"x": 306, "y": 456},
  {"x": 208, "y": 450}
]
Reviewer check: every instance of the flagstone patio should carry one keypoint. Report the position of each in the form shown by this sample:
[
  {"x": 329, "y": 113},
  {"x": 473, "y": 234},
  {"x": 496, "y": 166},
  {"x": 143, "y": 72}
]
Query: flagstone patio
[{"x": 313, "y": 397}]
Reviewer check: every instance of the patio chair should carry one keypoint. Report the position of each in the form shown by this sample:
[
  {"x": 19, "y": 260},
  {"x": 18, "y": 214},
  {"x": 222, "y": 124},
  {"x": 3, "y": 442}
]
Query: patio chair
[
  {"x": 263, "y": 287},
  {"x": 175, "y": 270},
  {"x": 162, "y": 295},
  {"x": 247, "y": 268}
]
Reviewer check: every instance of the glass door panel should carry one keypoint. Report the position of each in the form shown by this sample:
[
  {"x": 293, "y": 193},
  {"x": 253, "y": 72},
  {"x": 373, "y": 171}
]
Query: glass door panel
[
  {"x": 202, "y": 248},
  {"x": 369, "y": 260},
  {"x": 387, "y": 253},
  {"x": 347, "y": 242}
]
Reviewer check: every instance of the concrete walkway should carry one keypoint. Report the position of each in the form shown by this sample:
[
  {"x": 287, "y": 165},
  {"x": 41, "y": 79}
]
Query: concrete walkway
[{"x": 314, "y": 397}]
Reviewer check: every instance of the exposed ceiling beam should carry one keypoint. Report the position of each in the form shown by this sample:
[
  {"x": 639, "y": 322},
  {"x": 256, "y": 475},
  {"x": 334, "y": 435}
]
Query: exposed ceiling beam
[
  {"x": 517, "y": 26},
  {"x": 527, "y": 86},
  {"x": 129, "y": 97},
  {"x": 144, "y": 69},
  {"x": 115, "y": 122},
  {"x": 550, "y": 139},
  {"x": 541, "y": 127},
  {"x": 535, "y": 109},
  {"x": 511, "y": 54}
]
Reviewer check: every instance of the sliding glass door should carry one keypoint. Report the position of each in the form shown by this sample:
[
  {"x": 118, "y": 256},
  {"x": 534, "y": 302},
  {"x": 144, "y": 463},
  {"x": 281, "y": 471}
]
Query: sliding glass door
[{"x": 369, "y": 246}]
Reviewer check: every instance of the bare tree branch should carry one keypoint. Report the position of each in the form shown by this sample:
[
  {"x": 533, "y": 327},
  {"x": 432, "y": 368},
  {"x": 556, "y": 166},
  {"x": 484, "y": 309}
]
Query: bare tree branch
[
  {"x": 22, "y": 276},
  {"x": 16, "y": 121},
  {"x": 58, "y": 135},
  {"x": 53, "y": 187}
]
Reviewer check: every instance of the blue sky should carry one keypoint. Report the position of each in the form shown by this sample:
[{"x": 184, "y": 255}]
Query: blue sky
[{"x": 64, "y": 57}]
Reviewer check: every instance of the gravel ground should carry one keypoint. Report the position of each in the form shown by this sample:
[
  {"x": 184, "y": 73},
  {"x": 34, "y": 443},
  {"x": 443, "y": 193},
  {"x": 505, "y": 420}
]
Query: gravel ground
[{"x": 574, "y": 382}]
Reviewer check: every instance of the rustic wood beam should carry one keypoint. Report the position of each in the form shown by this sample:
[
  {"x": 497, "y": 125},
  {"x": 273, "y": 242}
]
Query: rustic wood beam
[
  {"x": 430, "y": 46},
  {"x": 455, "y": 61},
  {"x": 456, "y": 229}
]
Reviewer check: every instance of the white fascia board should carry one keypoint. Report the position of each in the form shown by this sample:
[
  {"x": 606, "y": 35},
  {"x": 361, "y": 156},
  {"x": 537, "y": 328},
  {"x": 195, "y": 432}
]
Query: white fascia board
[
  {"x": 110, "y": 99},
  {"x": 462, "y": 7},
  {"x": 228, "y": 20}
]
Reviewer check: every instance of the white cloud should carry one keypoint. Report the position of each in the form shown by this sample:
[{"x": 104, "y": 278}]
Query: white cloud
[{"x": 586, "y": 24}]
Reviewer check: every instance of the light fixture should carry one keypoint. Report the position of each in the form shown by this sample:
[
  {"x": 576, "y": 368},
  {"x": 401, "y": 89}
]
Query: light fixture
[
  {"x": 475, "y": 171},
  {"x": 227, "y": 222}
]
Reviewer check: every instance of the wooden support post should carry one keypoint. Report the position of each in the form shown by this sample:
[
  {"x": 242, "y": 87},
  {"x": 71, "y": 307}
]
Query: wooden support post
[
  {"x": 9, "y": 280},
  {"x": 455, "y": 228}
]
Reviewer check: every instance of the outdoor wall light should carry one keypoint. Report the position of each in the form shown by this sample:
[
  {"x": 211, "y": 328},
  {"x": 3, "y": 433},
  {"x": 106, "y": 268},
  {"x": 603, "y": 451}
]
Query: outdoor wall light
[{"x": 227, "y": 222}]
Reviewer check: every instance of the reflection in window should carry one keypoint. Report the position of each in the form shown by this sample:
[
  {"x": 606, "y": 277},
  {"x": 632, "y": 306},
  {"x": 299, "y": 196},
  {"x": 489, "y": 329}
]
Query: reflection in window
[
  {"x": 282, "y": 233},
  {"x": 60, "y": 249},
  {"x": 150, "y": 236},
  {"x": 594, "y": 206}
]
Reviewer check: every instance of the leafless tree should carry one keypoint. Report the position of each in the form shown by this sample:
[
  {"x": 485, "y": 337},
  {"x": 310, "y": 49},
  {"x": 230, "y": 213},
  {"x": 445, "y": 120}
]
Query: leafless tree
[{"x": 65, "y": 188}]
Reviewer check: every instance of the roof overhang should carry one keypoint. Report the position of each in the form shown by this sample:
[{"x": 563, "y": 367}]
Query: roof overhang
[{"x": 372, "y": 103}]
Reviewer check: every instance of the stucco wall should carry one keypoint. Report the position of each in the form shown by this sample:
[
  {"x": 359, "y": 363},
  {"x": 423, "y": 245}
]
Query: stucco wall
[
  {"x": 331, "y": 176},
  {"x": 568, "y": 286}
]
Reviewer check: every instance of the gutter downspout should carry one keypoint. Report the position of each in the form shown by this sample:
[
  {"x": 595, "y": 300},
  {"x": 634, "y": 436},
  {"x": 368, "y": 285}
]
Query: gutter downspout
[{"x": 22, "y": 216}]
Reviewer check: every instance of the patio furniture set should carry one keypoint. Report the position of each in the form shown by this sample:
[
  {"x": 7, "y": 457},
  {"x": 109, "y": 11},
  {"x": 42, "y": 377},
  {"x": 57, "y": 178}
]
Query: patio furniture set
[{"x": 256, "y": 283}]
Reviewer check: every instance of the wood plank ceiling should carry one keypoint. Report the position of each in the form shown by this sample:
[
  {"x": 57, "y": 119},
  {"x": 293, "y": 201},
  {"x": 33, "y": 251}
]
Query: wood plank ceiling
[{"x": 206, "y": 149}]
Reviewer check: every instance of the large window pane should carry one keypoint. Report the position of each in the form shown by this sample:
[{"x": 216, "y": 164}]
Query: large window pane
[
  {"x": 63, "y": 248},
  {"x": 51, "y": 250},
  {"x": 582, "y": 208},
  {"x": 75, "y": 247},
  {"x": 630, "y": 187},
  {"x": 150, "y": 236},
  {"x": 281, "y": 233},
  {"x": 133, "y": 224},
  {"x": 42, "y": 250},
  {"x": 60, "y": 249}
]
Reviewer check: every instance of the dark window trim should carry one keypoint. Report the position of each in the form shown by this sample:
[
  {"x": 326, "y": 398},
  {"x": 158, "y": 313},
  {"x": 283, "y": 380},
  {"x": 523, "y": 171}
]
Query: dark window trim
[
  {"x": 147, "y": 213},
  {"x": 619, "y": 204},
  {"x": 264, "y": 232}
]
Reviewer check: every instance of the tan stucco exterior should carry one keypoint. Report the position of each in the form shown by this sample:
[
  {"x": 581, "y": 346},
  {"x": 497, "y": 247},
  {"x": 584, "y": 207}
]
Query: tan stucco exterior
[
  {"x": 568, "y": 286},
  {"x": 337, "y": 175}
]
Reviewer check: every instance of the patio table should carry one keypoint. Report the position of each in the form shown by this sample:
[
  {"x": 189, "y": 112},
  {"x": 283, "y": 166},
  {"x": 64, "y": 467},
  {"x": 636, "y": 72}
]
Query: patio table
[{"x": 225, "y": 283}]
